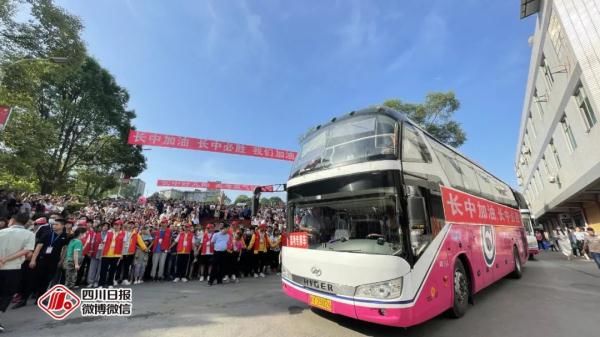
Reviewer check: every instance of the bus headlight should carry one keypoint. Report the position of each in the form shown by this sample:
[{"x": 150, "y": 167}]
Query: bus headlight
[
  {"x": 381, "y": 290},
  {"x": 285, "y": 273}
]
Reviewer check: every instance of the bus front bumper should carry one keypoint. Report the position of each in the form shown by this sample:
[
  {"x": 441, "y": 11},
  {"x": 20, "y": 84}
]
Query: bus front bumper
[{"x": 385, "y": 315}]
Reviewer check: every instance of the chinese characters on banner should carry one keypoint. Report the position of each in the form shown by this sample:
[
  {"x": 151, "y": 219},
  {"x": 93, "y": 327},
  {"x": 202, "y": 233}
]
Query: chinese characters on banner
[
  {"x": 4, "y": 114},
  {"x": 157, "y": 139},
  {"x": 462, "y": 207},
  {"x": 211, "y": 185},
  {"x": 298, "y": 240}
]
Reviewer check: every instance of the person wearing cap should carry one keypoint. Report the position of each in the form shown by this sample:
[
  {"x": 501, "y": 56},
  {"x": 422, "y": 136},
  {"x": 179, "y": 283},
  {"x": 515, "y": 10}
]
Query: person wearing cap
[
  {"x": 85, "y": 259},
  {"x": 220, "y": 240},
  {"x": 160, "y": 249},
  {"x": 206, "y": 252},
  {"x": 45, "y": 260},
  {"x": 130, "y": 241},
  {"x": 94, "y": 249},
  {"x": 185, "y": 243},
  {"x": 259, "y": 244},
  {"x": 111, "y": 253}
]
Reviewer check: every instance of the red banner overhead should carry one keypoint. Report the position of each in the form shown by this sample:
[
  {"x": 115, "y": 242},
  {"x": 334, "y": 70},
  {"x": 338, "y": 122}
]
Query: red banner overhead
[
  {"x": 461, "y": 207},
  {"x": 210, "y": 185},
  {"x": 157, "y": 139}
]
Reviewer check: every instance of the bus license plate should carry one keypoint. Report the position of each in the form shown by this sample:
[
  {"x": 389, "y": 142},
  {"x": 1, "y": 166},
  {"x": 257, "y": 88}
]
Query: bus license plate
[{"x": 320, "y": 302}]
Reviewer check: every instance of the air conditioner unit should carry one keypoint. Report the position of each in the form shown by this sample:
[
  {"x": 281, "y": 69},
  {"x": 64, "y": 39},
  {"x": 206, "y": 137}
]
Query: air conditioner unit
[
  {"x": 552, "y": 179},
  {"x": 526, "y": 150},
  {"x": 522, "y": 161}
]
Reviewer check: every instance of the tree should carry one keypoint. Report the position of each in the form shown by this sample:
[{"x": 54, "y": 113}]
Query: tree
[
  {"x": 435, "y": 116},
  {"x": 85, "y": 122},
  {"x": 275, "y": 201},
  {"x": 241, "y": 199},
  {"x": 264, "y": 201}
]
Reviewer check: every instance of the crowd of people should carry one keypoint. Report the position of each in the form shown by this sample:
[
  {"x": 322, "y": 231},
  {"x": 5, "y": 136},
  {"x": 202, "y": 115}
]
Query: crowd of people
[
  {"x": 571, "y": 242},
  {"x": 45, "y": 241}
]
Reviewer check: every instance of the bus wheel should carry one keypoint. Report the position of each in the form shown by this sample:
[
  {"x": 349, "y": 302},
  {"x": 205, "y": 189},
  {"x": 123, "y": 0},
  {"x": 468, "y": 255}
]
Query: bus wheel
[
  {"x": 518, "y": 272},
  {"x": 461, "y": 291}
]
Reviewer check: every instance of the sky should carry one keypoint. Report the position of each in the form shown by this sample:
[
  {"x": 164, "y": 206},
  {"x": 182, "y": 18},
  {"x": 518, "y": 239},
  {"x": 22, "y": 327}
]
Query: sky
[{"x": 264, "y": 72}]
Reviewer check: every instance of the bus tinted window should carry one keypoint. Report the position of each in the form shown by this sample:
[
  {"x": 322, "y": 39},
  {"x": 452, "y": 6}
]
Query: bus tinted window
[{"x": 413, "y": 146}]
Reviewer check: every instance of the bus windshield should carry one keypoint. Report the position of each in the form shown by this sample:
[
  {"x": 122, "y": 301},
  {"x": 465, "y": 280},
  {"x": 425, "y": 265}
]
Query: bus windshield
[
  {"x": 355, "y": 225},
  {"x": 354, "y": 140}
]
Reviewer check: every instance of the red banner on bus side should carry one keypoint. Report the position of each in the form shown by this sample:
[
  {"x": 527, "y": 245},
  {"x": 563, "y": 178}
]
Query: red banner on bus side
[
  {"x": 178, "y": 142},
  {"x": 461, "y": 207},
  {"x": 211, "y": 185},
  {"x": 298, "y": 240}
]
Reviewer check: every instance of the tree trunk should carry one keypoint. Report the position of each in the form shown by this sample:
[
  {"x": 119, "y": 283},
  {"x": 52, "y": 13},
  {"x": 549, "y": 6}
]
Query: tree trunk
[{"x": 46, "y": 187}]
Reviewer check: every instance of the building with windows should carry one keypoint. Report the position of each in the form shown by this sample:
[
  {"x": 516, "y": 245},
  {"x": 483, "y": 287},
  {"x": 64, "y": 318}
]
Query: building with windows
[
  {"x": 195, "y": 195},
  {"x": 558, "y": 153}
]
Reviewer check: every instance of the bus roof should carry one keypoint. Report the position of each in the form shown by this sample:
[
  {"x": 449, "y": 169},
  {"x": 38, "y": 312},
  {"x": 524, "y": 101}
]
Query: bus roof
[{"x": 399, "y": 116}]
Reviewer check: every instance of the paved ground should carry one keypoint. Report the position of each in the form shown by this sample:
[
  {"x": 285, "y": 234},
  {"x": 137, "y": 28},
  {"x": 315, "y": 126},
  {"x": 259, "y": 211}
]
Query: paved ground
[{"x": 554, "y": 298}]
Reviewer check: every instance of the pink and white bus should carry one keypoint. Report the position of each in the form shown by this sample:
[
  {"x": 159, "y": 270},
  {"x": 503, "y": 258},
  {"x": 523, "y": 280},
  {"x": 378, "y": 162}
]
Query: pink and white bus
[{"x": 392, "y": 226}]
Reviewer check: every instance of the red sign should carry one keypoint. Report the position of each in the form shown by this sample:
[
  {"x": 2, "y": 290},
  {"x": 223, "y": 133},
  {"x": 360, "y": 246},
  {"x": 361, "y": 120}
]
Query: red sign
[
  {"x": 298, "y": 240},
  {"x": 157, "y": 139},
  {"x": 211, "y": 185},
  {"x": 4, "y": 114},
  {"x": 59, "y": 302},
  {"x": 461, "y": 207}
]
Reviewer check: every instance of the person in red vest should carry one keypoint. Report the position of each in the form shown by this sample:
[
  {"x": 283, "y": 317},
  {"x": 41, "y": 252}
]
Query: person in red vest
[
  {"x": 160, "y": 249},
  {"x": 259, "y": 244},
  {"x": 206, "y": 252},
  {"x": 93, "y": 249},
  {"x": 185, "y": 243},
  {"x": 111, "y": 253},
  {"x": 130, "y": 240}
]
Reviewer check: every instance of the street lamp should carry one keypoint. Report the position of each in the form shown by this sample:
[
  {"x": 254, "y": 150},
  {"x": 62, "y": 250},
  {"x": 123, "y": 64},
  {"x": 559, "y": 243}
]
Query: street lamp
[{"x": 52, "y": 59}]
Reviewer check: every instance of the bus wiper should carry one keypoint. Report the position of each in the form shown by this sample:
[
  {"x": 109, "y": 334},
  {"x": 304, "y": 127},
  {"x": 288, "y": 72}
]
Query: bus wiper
[{"x": 347, "y": 250}]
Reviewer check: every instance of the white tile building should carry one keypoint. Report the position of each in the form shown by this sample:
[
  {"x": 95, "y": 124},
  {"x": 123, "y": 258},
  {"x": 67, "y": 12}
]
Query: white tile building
[{"x": 558, "y": 154}]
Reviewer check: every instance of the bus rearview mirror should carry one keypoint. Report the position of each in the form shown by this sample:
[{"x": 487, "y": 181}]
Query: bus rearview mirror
[{"x": 416, "y": 210}]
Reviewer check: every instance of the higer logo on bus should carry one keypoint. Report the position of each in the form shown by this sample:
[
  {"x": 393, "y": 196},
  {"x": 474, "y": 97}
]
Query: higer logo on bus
[{"x": 59, "y": 302}]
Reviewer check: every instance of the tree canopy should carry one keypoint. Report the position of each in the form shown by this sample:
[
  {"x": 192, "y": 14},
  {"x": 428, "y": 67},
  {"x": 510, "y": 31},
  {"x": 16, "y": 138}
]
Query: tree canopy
[
  {"x": 435, "y": 115},
  {"x": 68, "y": 130}
]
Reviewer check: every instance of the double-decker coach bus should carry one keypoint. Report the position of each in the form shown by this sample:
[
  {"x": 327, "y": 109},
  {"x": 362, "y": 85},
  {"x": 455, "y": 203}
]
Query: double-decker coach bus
[{"x": 391, "y": 226}]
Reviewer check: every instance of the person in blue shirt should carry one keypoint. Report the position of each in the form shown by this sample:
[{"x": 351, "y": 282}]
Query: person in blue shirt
[{"x": 220, "y": 241}]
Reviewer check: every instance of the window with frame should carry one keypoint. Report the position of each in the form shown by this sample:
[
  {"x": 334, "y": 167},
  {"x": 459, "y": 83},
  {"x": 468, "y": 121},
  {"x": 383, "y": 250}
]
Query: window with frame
[
  {"x": 555, "y": 154},
  {"x": 548, "y": 77},
  {"x": 538, "y": 102},
  {"x": 539, "y": 179},
  {"x": 568, "y": 132},
  {"x": 557, "y": 35},
  {"x": 531, "y": 126},
  {"x": 585, "y": 107},
  {"x": 413, "y": 146}
]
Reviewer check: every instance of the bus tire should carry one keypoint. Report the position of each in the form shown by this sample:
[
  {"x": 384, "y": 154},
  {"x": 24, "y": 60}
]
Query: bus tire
[
  {"x": 518, "y": 271},
  {"x": 462, "y": 291}
]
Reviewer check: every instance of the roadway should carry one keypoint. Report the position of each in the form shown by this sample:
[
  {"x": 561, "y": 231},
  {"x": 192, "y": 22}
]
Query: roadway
[{"x": 554, "y": 298}]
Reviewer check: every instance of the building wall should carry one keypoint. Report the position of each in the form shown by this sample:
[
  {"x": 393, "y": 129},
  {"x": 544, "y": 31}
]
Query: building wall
[{"x": 567, "y": 40}]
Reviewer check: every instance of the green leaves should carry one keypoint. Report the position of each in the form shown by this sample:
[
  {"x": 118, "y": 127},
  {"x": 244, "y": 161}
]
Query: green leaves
[
  {"x": 70, "y": 121},
  {"x": 435, "y": 115}
]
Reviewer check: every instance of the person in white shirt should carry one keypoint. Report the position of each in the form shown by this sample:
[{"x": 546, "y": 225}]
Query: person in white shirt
[{"x": 16, "y": 243}]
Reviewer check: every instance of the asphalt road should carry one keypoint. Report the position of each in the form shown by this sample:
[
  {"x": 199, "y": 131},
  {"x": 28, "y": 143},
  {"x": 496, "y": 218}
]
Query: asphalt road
[{"x": 554, "y": 298}]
